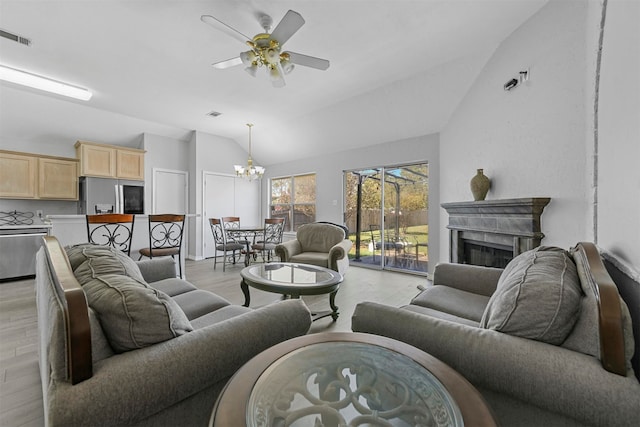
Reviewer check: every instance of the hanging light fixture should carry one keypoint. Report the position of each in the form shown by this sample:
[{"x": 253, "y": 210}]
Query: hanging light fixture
[{"x": 250, "y": 171}]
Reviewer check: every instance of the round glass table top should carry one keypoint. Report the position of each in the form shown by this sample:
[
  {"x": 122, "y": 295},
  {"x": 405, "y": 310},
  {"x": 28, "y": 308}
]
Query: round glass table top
[
  {"x": 291, "y": 274},
  {"x": 349, "y": 383}
]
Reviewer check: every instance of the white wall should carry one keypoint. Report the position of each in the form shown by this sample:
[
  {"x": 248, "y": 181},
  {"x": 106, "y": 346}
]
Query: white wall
[
  {"x": 618, "y": 174},
  {"x": 162, "y": 152},
  {"x": 208, "y": 153},
  {"x": 531, "y": 141},
  {"x": 329, "y": 171}
]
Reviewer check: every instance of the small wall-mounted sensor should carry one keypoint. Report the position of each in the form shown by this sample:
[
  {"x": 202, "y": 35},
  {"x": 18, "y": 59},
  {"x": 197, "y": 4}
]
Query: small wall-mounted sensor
[
  {"x": 510, "y": 84},
  {"x": 522, "y": 77}
]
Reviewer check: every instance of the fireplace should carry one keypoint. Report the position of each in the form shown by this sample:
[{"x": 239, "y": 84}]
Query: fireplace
[{"x": 492, "y": 232}]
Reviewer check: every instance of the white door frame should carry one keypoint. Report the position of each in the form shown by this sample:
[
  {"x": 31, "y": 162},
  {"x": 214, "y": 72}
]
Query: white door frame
[
  {"x": 205, "y": 221},
  {"x": 155, "y": 171},
  {"x": 185, "y": 236}
]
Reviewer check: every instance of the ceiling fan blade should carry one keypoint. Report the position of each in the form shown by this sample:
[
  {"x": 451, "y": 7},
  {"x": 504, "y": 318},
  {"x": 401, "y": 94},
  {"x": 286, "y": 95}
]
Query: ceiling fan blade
[
  {"x": 228, "y": 63},
  {"x": 221, "y": 26},
  {"x": 290, "y": 23},
  {"x": 308, "y": 61}
]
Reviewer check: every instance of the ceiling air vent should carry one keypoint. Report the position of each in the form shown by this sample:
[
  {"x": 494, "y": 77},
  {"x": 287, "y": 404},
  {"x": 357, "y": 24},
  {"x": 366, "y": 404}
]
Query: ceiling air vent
[
  {"x": 16, "y": 38},
  {"x": 213, "y": 114}
]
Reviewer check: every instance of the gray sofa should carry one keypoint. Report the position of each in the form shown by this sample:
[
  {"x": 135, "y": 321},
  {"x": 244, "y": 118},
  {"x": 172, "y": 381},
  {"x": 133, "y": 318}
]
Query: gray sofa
[
  {"x": 318, "y": 243},
  {"x": 548, "y": 341},
  {"x": 127, "y": 343}
]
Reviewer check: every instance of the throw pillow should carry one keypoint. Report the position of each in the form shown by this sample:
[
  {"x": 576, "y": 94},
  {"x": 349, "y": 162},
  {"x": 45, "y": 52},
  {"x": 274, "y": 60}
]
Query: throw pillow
[
  {"x": 133, "y": 314},
  {"x": 537, "y": 297},
  {"x": 89, "y": 261}
]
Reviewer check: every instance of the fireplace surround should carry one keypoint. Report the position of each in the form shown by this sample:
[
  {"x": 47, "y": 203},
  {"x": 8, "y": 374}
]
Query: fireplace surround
[{"x": 492, "y": 232}]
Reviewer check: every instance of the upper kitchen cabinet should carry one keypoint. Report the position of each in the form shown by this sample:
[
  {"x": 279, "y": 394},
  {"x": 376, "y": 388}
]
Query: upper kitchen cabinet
[
  {"x": 18, "y": 175},
  {"x": 130, "y": 164},
  {"x": 58, "y": 178},
  {"x": 33, "y": 176},
  {"x": 110, "y": 161}
]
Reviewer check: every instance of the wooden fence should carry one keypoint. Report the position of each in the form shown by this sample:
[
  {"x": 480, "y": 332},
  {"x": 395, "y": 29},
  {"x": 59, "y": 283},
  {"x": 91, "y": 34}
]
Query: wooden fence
[{"x": 372, "y": 216}]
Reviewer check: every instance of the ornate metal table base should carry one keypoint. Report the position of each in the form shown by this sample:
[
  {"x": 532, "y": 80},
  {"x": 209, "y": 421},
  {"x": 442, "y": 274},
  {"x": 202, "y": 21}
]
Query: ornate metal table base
[
  {"x": 334, "y": 313},
  {"x": 293, "y": 280}
]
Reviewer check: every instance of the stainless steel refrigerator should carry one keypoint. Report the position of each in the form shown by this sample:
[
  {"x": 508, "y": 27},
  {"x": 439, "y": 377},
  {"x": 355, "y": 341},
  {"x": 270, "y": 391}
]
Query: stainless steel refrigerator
[{"x": 105, "y": 195}]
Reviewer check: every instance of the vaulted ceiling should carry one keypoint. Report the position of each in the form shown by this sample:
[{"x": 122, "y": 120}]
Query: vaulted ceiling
[{"x": 398, "y": 69}]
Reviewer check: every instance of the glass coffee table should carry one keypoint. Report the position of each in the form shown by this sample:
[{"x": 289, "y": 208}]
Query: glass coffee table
[
  {"x": 344, "y": 379},
  {"x": 294, "y": 280}
]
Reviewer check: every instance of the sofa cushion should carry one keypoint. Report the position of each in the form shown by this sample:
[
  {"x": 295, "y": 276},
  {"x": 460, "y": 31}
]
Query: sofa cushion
[
  {"x": 439, "y": 315},
  {"x": 537, "y": 297},
  {"x": 173, "y": 286},
  {"x": 198, "y": 303},
  {"x": 88, "y": 261},
  {"x": 453, "y": 301},
  {"x": 313, "y": 258},
  {"x": 133, "y": 314}
]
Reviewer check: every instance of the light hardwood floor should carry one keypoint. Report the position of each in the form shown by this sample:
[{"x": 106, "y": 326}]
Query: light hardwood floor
[{"x": 20, "y": 388}]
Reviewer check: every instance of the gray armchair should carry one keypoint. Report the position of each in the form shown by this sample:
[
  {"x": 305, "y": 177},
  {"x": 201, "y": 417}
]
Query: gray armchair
[{"x": 319, "y": 244}]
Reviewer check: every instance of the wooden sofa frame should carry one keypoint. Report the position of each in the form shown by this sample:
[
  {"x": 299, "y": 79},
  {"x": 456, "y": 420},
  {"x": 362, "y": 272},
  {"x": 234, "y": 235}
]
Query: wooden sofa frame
[{"x": 75, "y": 311}]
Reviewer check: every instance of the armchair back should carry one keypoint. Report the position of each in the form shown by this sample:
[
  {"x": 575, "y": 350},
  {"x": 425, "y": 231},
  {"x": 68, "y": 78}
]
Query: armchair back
[{"x": 319, "y": 237}]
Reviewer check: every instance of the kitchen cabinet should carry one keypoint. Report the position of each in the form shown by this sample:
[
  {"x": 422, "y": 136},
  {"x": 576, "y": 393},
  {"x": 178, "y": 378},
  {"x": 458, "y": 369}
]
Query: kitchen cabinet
[
  {"x": 18, "y": 173},
  {"x": 130, "y": 164},
  {"x": 110, "y": 161},
  {"x": 33, "y": 176},
  {"x": 58, "y": 179}
]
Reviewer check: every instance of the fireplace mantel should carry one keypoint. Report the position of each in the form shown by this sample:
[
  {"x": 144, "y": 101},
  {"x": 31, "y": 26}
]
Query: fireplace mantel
[{"x": 507, "y": 224}]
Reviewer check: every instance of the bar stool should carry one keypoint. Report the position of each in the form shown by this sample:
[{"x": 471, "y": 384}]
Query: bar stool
[
  {"x": 115, "y": 230},
  {"x": 165, "y": 237}
]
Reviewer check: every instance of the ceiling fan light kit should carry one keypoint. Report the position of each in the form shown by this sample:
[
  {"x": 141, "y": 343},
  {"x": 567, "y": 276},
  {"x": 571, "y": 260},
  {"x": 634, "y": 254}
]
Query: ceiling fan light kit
[{"x": 266, "y": 48}]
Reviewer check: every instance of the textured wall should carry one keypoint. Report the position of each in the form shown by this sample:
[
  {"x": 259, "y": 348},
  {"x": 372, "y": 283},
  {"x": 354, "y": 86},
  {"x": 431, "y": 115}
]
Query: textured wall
[
  {"x": 618, "y": 173},
  {"x": 531, "y": 141}
]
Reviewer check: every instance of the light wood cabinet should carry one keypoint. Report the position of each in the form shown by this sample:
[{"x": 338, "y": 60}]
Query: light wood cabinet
[
  {"x": 96, "y": 160},
  {"x": 58, "y": 179},
  {"x": 33, "y": 176},
  {"x": 130, "y": 164},
  {"x": 18, "y": 173},
  {"x": 110, "y": 161}
]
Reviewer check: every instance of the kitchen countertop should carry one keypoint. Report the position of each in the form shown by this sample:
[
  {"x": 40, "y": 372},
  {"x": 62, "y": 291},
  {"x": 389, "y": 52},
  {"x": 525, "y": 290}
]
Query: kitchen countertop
[
  {"x": 82, "y": 216},
  {"x": 25, "y": 226}
]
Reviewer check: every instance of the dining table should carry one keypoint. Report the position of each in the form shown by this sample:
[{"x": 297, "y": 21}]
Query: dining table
[{"x": 246, "y": 235}]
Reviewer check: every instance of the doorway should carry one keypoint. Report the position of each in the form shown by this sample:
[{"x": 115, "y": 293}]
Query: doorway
[
  {"x": 386, "y": 211},
  {"x": 170, "y": 191}
]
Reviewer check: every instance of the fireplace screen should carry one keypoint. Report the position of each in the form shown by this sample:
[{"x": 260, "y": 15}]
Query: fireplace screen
[{"x": 476, "y": 253}]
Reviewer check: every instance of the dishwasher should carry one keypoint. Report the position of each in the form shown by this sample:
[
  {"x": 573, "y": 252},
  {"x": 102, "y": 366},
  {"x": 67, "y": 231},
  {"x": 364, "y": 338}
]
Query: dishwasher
[{"x": 20, "y": 240}]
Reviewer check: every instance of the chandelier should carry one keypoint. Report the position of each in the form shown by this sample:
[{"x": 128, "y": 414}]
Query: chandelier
[{"x": 250, "y": 171}]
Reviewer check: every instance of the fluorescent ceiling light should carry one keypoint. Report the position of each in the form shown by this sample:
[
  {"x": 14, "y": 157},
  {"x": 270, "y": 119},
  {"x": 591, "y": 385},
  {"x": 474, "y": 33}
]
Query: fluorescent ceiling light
[{"x": 43, "y": 83}]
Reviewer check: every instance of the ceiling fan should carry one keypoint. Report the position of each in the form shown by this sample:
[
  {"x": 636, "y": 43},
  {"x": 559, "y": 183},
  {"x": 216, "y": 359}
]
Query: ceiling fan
[{"x": 266, "y": 48}]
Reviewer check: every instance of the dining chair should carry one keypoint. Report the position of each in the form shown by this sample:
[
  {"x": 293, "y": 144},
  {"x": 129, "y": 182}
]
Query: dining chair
[
  {"x": 165, "y": 237},
  {"x": 231, "y": 224},
  {"x": 272, "y": 236},
  {"x": 115, "y": 230},
  {"x": 222, "y": 244}
]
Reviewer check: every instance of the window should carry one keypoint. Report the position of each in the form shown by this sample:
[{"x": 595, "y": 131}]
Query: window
[{"x": 294, "y": 198}]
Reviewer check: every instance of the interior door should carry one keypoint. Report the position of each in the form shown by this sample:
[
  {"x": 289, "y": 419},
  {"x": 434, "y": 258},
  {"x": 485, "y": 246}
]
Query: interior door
[
  {"x": 170, "y": 191},
  {"x": 171, "y": 195},
  {"x": 228, "y": 195}
]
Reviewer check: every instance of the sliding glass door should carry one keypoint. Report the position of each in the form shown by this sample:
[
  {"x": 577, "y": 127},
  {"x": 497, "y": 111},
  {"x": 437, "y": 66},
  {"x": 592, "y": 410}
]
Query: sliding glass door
[{"x": 386, "y": 211}]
